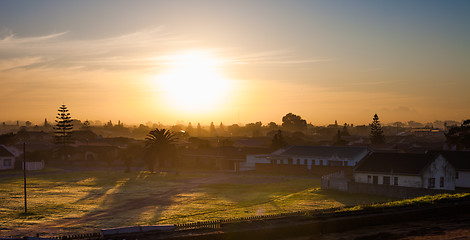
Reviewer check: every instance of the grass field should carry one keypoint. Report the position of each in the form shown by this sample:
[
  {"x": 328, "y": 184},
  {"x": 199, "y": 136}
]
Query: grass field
[{"x": 81, "y": 202}]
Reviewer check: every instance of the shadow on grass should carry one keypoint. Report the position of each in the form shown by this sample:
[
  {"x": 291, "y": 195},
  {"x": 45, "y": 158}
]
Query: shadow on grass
[
  {"x": 30, "y": 215},
  {"x": 123, "y": 199},
  {"x": 352, "y": 199}
]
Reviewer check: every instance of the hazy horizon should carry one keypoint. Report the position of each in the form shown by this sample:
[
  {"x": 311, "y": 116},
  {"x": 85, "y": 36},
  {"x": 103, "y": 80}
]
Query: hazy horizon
[{"x": 235, "y": 62}]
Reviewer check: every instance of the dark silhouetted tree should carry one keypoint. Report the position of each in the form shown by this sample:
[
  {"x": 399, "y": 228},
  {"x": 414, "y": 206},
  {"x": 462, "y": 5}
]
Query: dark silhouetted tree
[
  {"x": 221, "y": 129},
  {"x": 189, "y": 129},
  {"x": 376, "y": 132},
  {"x": 159, "y": 145},
  {"x": 212, "y": 131},
  {"x": 235, "y": 130},
  {"x": 278, "y": 141},
  {"x": 46, "y": 124},
  {"x": 254, "y": 128},
  {"x": 293, "y": 122},
  {"x": 337, "y": 140},
  {"x": 199, "y": 130},
  {"x": 272, "y": 126},
  {"x": 86, "y": 124},
  {"x": 345, "y": 131},
  {"x": 459, "y": 136},
  {"x": 63, "y": 127}
]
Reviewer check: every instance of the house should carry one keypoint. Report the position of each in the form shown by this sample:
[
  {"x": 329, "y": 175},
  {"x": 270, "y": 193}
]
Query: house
[
  {"x": 219, "y": 158},
  {"x": 7, "y": 158},
  {"x": 319, "y": 156},
  {"x": 430, "y": 171},
  {"x": 300, "y": 159},
  {"x": 461, "y": 161}
]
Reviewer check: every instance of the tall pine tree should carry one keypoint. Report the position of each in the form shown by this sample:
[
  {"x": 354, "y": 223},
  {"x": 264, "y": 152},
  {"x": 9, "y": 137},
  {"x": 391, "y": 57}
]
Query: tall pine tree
[
  {"x": 376, "y": 132},
  {"x": 63, "y": 127}
]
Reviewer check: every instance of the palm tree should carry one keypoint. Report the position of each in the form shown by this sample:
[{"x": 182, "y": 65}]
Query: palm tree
[{"x": 158, "y": 145}]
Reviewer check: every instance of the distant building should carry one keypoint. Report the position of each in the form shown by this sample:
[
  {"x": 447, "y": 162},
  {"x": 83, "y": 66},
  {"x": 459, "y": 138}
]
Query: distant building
[
  {"x": 7, "y": 158},
  {"x": 430, "y": 171},
  {"x": 309, "y": 156},
  {"x": 220, "y": 158},
  {"x": 319, "y": 156},
  {"x": 422, "y": 132}
]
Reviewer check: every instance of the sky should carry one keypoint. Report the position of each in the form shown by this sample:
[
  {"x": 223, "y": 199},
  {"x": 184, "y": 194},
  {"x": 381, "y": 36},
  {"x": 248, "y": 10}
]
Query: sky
[{"x": 235, "y": 61}]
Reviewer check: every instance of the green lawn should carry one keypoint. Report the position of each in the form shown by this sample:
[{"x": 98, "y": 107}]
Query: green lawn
[{"x": 81, "y": 202}]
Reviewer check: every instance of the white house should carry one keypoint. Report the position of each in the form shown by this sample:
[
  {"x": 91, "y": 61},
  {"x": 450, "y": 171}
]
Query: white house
[
  {"x": 309, "y": 156},
  {"x": 251, "y": 161},
  {"x": 7, "y": 158},
  {"x": 461, "y": 161},
  {"x": 407, "y": 170},
  {"x": 319, "y": 156}
]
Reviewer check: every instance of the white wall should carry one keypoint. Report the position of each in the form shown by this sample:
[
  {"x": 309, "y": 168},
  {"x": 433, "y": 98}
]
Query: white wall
[
  {"x": 403, "y": 180},
  {"x": 251, "y": 161},
  {"x": 463, "y": 180},
  {"x": 33, "y": 166},
  {"x": 437, "y": 169},
  {"x": 440, "y": 167},
  {"x": 3, "y": 162}
]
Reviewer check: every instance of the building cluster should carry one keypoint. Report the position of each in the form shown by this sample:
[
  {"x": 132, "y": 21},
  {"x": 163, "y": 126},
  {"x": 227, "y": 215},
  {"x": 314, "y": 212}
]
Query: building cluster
[{"x": 436, "y": 170}]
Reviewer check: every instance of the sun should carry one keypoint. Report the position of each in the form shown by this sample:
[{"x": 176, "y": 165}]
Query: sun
[{"x": 194, "y": 81}]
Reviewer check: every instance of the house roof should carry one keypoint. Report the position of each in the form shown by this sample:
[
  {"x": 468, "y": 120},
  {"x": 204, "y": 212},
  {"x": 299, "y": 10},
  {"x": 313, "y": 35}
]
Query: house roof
[
  {"x": 323, "y": 151},
  {"x": 4, "y": 152},
  {"x": 459, "y": 159},
  {"x": 397, "y": 163},
  {"x": 232, "y": 152}
]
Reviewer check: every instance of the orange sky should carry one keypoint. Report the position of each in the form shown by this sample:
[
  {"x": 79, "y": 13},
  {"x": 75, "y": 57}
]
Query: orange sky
[{"x": 235, "y": 62}]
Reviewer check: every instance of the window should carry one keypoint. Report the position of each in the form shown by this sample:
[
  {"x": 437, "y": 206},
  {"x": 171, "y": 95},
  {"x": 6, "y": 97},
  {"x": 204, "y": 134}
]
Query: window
[
  {"x": 369, "y": 179},
  {"x": 395, "y": 181},
  {"x": 375, "y": 179},
  {"x": 289, "y": 161},
  {"x": 7, "y": 162},
  {"x": 321, "y": 162},
  {"x": 431, "y": 182},
  {"x": 441, "y": 182},
  {"x": 386, "y": 180}
]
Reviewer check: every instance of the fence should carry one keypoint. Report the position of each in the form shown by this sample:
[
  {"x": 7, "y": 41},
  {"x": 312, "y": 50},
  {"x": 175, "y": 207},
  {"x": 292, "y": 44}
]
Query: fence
[
  {"x": 80, "y": 236},
  {"x": 33, "y": 166},
  {"x": 220, "y": 223}
]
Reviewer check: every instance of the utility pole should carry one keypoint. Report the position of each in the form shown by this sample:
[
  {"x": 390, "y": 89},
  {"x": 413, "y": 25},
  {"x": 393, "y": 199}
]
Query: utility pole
[{"x": 24, "y": 177}]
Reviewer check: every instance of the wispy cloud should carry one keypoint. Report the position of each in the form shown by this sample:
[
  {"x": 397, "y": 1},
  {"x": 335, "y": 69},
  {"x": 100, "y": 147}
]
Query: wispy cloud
[
  {"x": 275, "y": 57},
  {"x": 57, "y": 50},
  {"x": 144, "y": 49},
  {"x": 13, "y": 63}
]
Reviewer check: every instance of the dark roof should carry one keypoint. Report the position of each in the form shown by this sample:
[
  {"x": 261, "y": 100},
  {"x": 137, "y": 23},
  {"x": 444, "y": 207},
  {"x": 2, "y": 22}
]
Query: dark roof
[
  {"x": 5, "y": 152},
  {"x": 232, "y": 152},
  {"x": 401, "y": 163},
  {"x": 324, "y": 151},
  {"x": 459, "y": 159}
]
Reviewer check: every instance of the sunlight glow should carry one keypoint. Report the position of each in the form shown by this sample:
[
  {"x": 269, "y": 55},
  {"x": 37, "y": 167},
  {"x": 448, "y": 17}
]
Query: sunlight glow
[{"x": 193, "y": 82}]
